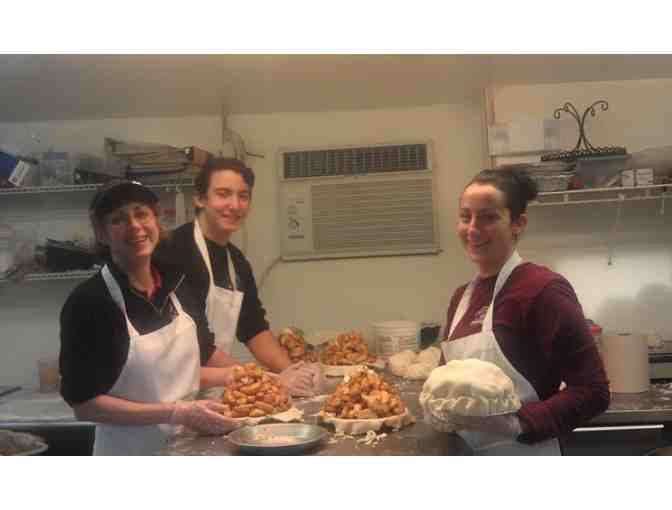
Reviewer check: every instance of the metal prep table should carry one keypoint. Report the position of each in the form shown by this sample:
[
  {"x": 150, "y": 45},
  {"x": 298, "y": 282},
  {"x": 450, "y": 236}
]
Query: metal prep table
[
  {"x": 634, "y": 424},
  {"x": 652, "y": 408},
  {"x": 415, "y": 439},
  {"x": 419, "y": 439}
]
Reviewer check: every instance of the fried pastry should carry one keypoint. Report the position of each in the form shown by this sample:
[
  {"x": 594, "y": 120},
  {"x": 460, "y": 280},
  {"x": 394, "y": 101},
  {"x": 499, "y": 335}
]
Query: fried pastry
[
  {"x": 254, "y": 393},
  {"x": 347, "y": 349},
  {"x": 292, "y": 339},
  {"x": 364, "y": 395}
]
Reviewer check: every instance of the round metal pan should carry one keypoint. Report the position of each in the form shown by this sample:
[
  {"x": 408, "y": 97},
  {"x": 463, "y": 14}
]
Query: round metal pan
[
  {"x": 20, "y": 443},
  {"x": 277, "y": 438}
]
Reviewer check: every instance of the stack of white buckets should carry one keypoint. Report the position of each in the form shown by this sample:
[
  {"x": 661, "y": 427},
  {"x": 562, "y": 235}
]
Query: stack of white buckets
[{"x": 396, "y": 336}]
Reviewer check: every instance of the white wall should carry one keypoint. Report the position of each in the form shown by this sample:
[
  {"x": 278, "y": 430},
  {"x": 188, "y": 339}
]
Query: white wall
[
  {"x": 353, "y": 293},
  {"x": 29, "y": 312},
  {"x": 634, "y": 291}
]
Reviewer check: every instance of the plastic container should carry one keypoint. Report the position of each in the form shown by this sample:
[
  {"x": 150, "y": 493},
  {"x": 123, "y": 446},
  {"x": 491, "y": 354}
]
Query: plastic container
[
  {"x": 549, "y": 183},
  {"x": 429, "y": 334},
  {"x": 597, "y": 172},
  {"x": 55, "y": 169},
  {"x": 396, "y": 336},
  {"x": 48, "y": 373}
]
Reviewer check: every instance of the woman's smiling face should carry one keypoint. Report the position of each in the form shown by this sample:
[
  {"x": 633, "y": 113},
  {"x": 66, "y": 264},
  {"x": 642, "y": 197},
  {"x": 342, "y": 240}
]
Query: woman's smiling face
[
  {"x": 131, "y": 232},
  {"x": 485, "y": 227}
]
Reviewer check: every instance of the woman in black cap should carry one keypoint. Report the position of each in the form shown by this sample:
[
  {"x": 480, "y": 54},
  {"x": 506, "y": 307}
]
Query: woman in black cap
[{"x": 130, "y": 357}]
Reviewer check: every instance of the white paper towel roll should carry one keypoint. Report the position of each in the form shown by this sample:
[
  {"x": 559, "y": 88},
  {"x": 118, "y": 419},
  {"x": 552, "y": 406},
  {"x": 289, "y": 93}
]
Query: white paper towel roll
[{"x": 626, "y": 359}]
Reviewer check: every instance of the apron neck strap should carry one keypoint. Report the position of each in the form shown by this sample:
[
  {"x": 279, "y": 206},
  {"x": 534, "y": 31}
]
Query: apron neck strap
[
  {"x": 504, "y": 273},
  {"x": 502, "y": 277},
  {"x": 117, "y": 296},
  {"x": 205, "y": 254}
]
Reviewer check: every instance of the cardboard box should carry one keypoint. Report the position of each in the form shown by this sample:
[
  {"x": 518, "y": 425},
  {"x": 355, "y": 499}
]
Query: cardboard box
[
  {"x": 644, "y": 177},
  {"x": 198, "y": 156},
  {"x": 628, "y": 178}
]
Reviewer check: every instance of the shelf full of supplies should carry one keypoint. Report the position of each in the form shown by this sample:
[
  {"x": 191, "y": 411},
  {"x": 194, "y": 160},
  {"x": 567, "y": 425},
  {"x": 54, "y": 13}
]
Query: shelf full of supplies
[
  {"x": 169, "y": 186},
  {"x": 602, "y": 195},
  {"x": 65, "y": 275},
  {"x": 19, "y": 276}
]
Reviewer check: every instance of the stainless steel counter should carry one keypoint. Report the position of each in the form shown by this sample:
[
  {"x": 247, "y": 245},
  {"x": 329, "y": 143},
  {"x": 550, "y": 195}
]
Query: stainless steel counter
[
  {"x": 654, "y": 408},
  {"x": 416, "y": 439},
  {"x": 651, "y": 408},
  {"x": 29, "y": 410}
]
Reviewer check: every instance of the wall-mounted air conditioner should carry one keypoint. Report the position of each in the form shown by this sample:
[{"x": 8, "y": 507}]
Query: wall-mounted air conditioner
[{"x": 357, "y": 201}]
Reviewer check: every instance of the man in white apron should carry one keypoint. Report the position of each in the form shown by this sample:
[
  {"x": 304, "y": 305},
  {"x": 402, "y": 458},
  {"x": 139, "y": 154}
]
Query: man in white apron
[{"x": 222, "y": 198}]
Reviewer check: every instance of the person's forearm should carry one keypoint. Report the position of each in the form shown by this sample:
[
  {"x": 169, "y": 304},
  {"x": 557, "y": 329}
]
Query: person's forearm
[
  {"x": 268, "y": 351},
  {"x": 220, "y": 359},
  {"x": 108, "y": 409},
  {"x": 211, "y": 377}
]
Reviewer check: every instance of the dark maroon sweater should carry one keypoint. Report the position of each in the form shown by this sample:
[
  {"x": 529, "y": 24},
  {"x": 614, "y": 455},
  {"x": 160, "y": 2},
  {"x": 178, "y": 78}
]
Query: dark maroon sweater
[{"x": 540, "y": 328}]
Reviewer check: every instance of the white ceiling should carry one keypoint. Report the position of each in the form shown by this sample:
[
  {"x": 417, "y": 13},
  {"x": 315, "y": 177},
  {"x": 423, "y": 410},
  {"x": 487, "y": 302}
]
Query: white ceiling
[{"x": 59, "y": 87}]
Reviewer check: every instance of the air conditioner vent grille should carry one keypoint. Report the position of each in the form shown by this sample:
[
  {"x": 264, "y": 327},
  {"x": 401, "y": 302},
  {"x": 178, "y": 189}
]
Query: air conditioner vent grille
[
  {"x": 389, "y": 216},
  {"x": 354, "y": 161}
]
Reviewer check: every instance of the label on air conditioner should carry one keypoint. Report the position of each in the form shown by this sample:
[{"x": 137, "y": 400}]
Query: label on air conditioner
[{"x": 296, "y": 218}]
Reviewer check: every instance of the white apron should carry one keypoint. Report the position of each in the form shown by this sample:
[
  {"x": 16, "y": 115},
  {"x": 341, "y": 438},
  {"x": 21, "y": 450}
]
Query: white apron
[
  {"x": 162, "y": 366},
  {"x": 484, "y": 346},
  {"x": 222, "y": 306}
]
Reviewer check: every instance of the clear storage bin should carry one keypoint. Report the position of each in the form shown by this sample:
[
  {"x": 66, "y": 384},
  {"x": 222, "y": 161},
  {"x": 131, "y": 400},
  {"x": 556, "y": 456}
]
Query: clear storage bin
[{"x": 55, "y": 169}]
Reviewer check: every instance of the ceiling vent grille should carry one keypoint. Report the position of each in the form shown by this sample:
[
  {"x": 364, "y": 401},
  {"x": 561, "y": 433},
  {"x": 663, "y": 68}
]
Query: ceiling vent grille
[
  {"x": 357, "y": 202},
  {"x": 354, "y": 161}
]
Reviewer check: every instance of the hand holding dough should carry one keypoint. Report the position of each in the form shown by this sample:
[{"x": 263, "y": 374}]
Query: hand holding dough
[{"x": 507, "y": 425}]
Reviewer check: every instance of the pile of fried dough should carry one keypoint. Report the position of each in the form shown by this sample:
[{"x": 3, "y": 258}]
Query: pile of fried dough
[
  {"x": 364, "y": 395},
  {"x": 293, "y": 341},
  {"x": 346, "y": 349},
  {"x": 254, "y": 394}
]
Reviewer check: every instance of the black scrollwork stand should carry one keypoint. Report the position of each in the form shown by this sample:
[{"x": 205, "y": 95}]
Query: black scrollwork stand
[{"x": 588, "y": 150}]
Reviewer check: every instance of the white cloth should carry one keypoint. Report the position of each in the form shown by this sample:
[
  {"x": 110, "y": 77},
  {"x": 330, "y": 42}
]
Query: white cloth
[
  {"x": 222, "y": 306},
  {"x": 484, "y": 346},
  {"x": 162, "y": 366}
]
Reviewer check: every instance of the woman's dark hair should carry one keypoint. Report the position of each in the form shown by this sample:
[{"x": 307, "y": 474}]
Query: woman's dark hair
[
  {"x": 202, "y": 180},
  {"x": 516, "y": 185}
]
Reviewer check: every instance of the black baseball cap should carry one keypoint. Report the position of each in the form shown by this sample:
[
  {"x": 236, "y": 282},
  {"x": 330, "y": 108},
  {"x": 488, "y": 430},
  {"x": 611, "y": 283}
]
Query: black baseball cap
[{"x": 117, "y": 193}]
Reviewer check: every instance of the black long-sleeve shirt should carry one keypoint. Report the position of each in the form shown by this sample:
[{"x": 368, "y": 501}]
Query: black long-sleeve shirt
[
  {"x": 94, "y": 335},
  {"x": 181, "y": 250}
]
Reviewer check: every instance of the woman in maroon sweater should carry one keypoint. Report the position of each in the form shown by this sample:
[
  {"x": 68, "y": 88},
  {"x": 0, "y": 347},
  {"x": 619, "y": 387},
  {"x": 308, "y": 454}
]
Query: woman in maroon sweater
[{"x": 524, "y": 318}]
